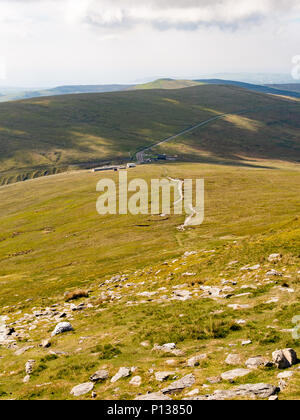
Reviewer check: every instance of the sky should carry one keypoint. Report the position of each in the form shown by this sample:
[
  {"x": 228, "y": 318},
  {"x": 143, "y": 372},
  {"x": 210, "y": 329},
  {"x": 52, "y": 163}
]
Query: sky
[{"x": 46, "y": 43}]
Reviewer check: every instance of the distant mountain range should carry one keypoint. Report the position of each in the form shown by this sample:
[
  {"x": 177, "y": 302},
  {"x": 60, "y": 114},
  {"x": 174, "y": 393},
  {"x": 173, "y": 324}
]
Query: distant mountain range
[
  {"x": 282, "y": 90},
  {"x": 12, "y": 94}
]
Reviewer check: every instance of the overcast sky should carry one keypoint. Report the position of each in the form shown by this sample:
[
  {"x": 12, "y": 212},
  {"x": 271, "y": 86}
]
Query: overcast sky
[{"x": 55, "y": 42}]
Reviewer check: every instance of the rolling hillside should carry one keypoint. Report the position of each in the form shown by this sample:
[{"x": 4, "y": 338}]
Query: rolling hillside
[
  {"x": 49, "y": 135},
  {"x": 292, "y": 87},
  {"x": 144, "y": 283},
  {"x": 167, "y": 84},
  {"x": 280, "y": 90},
  {"x": 15, "y": 94}
]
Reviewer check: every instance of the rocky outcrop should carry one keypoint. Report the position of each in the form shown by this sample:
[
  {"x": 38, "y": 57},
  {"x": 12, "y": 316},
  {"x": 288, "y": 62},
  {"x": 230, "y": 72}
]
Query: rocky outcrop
[
  {"x": 177, "y": 386},
  {"x": 82, "y": 389},
  {"x": 261, "y": 391},
  {"x": 284, "y": 359},
  {"x": 61, "y": 328}
]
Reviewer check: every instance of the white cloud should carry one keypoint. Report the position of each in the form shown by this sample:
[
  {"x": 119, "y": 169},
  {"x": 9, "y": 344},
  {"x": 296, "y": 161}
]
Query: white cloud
[
  {"x": 51, "y": 42},
  {"x": 183, "y": 14}
]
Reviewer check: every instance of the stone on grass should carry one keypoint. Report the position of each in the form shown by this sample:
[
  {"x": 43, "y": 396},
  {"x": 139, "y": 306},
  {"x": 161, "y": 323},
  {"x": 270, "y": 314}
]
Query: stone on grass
[
  {"x": 195, "y": 361},
  {"x": 165, "y": 347},
  {"x": 100, "y": 375},
  {"x": 82, "y": 389},
  {"x": 256, "y": 362},
  {"x": 122, "y": 373},
  {"x": 192, "y": 393},
  {"x": 23, "y": 350},
  {"x": 284, "y": 359},
  {"x": 136, "y": 381},
  {"x": 234, "y": 374},
  {"x": 233, "y": 359},
  {"x": 62, "y": 327},
  {"x": 45, "y": 344},
  {"x": 163, "y": 376},
  {"x": 29, "y": 366},
  {"x": 214, "y": 380},
  {"x": 246, "y": 342},
  {"x": 273, "y": 273},
  {"x": 155, "y": 396},
  {"x": 262, "y": 391},
  {"x": 177, "y": 386},
  {"x": 274, "y": 257},
  {"x": 285, "y": 375}
]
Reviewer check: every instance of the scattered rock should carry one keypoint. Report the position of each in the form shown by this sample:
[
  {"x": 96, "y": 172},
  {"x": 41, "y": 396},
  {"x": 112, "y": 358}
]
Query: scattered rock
[
  {"x": 136, "y": 381},
  {"x": 285, "y": 375},
  {"x": 237, "y": 307},
  {"x": 155, "y": 396},
  {"x": 26, "y": 379},
  {"x": 250, "y": 390},
  {"x": 171, "y": 362},
  {"x": 256, "y": 362},
  {"x": 23, "y": 350},
  {"x": 233, "y": 359},
  {"x": 192, "y": 393},
  {"x": 29, "y": 366},
  {"x": 5, "y": 334},
  {"x": 122, "y": 373},
  {"x": 177, "y": 386},
  {"x": 163, "y": 376},
  {"x": 195, "y": 361},
  {"x": 45, "y": 344},
  {"x": 165, "y": 347},
  {"x": 82, "y": 389},
  {"x": 273, "y": 398},
  {"x": 168, "y": 348},
  {"x": 62, "y": 327},
  {"x": 246, "y": 342},
  {"x": 233, "y": 374},
  {"x": 284, "y": 359},
  {"x": 214, "y": 380},
  {"x": 100, "y": 375},
  {"x": 274, "y": 257},
  {"x": 253, "y": 268},
  {"x": 273, "y": 273}
]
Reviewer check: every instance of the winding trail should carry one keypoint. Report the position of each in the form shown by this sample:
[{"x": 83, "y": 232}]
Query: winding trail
[
  {"x": 140, "y": 156},
  {"x": 188, "y": 219}
]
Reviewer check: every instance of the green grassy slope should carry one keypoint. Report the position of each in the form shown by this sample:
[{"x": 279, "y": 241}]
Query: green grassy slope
[
  {"x": 48, "y": 135},
  {"x": 53, "y": 241}
]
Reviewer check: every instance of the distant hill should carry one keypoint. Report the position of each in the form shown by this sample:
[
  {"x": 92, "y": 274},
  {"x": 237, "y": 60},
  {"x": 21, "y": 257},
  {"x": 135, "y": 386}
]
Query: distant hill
[
  {"x": 14, "y": 94},
  {"x": 61, "y": 90},
  {"x": 46, "y": 135},
  {"x": 167, "y": 84},
  {"x": 270, "y": 89},
  {"x": 292, "y": 87}
]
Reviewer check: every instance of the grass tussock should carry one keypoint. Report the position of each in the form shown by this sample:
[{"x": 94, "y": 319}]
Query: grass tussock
[{"x": 77, "y": 294}]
